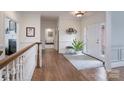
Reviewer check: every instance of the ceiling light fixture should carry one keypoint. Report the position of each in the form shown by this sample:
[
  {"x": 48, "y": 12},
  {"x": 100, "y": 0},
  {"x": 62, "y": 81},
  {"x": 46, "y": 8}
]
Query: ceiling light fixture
[{"x": 79, "y": 13}]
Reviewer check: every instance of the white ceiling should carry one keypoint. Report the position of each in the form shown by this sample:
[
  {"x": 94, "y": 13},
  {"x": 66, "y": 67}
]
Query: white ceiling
[
  {"x": 48, "y": 13},
  {"x": 55, "y": 14}
]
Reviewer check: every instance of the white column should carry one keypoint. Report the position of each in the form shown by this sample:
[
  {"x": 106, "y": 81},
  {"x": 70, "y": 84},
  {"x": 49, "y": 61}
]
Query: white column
[{"x": 108, "y": 42}]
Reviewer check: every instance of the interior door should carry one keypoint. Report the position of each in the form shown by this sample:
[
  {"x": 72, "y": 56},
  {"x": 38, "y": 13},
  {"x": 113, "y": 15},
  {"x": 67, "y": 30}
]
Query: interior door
[{"x": 93, "y": 40}]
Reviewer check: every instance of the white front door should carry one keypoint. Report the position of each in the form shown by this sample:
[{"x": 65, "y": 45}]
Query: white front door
[{"x": 93, "y": 40}]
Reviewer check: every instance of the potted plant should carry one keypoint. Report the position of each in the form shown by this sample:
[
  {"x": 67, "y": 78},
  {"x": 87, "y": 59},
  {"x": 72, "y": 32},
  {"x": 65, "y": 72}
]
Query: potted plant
[{"x": 78, "y": 46}]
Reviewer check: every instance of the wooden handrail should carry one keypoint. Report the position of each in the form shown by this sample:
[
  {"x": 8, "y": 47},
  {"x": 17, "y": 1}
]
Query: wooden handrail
[{"x": 4, "y": 62}]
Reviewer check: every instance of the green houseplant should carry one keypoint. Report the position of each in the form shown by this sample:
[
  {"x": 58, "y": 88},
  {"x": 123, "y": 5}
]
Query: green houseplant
[
  {"x": 1, "y": 52},
  {"x": 78, "y": 45}
]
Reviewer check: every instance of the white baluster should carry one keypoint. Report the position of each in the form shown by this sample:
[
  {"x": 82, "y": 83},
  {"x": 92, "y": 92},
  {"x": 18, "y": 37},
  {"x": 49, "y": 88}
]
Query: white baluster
[
  {"x": 21, "y": 68},
  {"x": 13, "y": 71},
  {"x": 1, "y": 79},
  {"x": 7, "y": 73},
  {"x": 3, "y": 71},
  {"x": 17, "y": 69}
]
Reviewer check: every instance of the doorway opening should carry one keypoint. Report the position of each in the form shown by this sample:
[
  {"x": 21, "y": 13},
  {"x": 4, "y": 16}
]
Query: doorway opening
[
  {"x": 49, "y": 32},
  {"x": 94, "y": 39}
]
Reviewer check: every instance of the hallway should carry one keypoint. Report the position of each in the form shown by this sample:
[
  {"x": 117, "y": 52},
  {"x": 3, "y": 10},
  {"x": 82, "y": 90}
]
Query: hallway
[{"x": 54, "y": 46}]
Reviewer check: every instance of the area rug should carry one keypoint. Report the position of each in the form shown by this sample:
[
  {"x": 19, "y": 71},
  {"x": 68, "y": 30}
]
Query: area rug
[{"x": 83, "y": 61}]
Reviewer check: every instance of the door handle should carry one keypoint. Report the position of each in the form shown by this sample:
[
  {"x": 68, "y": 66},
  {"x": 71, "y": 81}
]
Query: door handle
[{"x": 97, "y": 42}]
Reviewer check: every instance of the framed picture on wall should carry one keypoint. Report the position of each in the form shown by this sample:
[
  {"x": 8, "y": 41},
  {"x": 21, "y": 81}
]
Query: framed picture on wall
[
  {"x": 30, "y": 31},
  {"x": 50, "y": 34}
]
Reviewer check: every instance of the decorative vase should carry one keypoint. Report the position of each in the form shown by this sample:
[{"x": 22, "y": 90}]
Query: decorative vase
[{"x": 78, "y": 52}]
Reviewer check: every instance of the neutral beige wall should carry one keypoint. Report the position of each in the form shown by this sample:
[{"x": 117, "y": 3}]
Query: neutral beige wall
[
  {"x": 64, "y": 38},
  {"x": 12, "y": 15},
  {"x": 117, "y": 26},
  {"x": 29, "y": 20},
  {"x": 1, "y": 28},
  {"x": 92, "y": 18}
]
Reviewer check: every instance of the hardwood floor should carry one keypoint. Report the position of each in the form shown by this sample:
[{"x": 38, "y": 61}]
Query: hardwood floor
[
  {"x": 95, "y": 74},
  {"x": 57, "y": 68}
]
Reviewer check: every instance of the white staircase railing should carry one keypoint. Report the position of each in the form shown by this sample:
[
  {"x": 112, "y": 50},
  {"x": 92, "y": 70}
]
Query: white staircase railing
[
  {"x": 20, "y": 66},
  {"x": 117, "y": 56}
]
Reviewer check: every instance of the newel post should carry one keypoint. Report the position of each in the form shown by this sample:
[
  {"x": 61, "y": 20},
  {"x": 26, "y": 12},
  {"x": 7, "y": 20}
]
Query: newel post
[{"x": 38, "y": 55}]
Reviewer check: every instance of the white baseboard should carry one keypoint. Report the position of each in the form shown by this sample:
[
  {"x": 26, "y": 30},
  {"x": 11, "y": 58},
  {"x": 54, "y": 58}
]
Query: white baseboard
[{"x": 117, "y": 64}]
